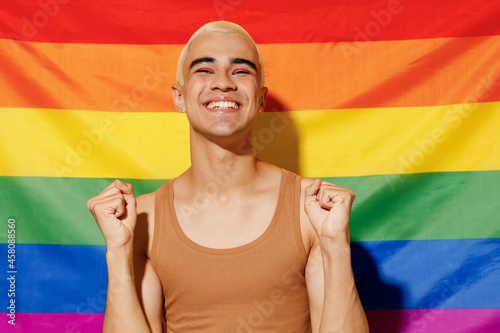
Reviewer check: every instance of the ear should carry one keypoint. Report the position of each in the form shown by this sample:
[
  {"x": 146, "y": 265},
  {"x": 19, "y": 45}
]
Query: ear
[
  {"x": 263, "y": 97},
  {"x": 178, "y": 97}
]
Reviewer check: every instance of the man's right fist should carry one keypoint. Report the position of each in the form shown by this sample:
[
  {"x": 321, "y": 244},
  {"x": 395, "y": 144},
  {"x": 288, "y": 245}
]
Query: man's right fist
[{"x": 114, "y": 209}]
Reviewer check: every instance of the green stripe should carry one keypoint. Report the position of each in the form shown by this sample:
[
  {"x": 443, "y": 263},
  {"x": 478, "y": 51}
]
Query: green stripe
[
  {"x": 450, "y": 205},
  {"x": 54, "y": 210},
  {"x": 454, "y": 205}
]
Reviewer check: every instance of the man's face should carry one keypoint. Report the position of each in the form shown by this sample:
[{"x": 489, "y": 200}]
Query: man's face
[{"x": 221, "y": 92}]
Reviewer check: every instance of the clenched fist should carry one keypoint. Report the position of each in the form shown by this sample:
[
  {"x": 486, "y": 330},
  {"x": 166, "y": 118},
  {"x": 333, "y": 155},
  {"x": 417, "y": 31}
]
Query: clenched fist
[
  {"x": 114, "y": 209},
  {"x": 328, "y": 207}
]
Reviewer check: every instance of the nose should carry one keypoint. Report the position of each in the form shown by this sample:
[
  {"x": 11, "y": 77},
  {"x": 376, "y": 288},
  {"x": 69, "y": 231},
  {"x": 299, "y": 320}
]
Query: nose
[{"x": 223, "y": 82}]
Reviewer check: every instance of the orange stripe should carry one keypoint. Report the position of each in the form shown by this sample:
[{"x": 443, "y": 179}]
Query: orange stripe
[{"x": 300, "y": 76}]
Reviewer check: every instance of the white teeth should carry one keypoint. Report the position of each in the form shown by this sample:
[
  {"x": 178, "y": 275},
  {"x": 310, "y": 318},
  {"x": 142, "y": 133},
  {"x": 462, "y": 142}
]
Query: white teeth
[{"x": 222, "y": 105}]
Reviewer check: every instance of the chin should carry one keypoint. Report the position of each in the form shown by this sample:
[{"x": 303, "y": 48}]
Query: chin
[{"x": 224, "y": 132}]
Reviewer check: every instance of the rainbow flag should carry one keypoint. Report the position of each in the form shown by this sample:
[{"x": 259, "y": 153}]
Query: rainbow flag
[{"x": 397, "y": 99}]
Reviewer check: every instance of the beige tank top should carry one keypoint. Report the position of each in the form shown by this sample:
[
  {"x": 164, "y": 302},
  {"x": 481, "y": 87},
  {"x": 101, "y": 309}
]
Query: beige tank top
[{"x": 256, "y": 287}]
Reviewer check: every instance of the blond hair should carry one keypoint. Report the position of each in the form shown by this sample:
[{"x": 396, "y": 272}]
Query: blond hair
[{"x": 216, "y": 27}]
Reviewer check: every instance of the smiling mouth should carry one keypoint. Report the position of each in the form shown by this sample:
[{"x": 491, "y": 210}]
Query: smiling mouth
[{"x": 223, "y": 106}]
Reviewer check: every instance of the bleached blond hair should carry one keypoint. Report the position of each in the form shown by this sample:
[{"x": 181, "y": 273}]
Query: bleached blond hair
[{"x": 217, "y": 27}]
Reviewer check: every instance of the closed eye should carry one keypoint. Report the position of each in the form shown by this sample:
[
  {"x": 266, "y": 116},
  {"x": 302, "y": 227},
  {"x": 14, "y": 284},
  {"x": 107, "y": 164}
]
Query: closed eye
[
  {"x": 241, "y": 71},
  {"x": 203, "y": 70}
]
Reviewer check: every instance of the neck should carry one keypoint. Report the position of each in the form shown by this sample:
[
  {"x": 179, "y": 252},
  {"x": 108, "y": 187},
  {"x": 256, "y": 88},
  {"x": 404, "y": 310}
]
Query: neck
[{"x": 221, "y": 164}]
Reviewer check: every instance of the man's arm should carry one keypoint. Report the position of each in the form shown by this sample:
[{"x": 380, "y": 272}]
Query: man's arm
[
  {"x": 115, "y": 211},
  {"x": 334, "y": 301}
]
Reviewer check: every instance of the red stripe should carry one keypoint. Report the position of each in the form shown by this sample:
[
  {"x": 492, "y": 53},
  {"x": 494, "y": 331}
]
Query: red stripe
[{"x": 268, "y": 21}]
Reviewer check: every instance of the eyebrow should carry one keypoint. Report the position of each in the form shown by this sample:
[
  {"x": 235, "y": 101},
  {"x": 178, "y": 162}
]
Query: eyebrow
[
  {"x": 243, "y": 61},
  {"x": 231, "y": 61},
  {"x": 201, "y": 60}
]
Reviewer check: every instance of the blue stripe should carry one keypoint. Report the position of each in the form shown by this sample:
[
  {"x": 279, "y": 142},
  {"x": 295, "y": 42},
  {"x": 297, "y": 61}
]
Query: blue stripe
[
  {"x": 428, "y": 274},
  {"x": 57, "y": 278},
  {"x": 434, "y": 274}
]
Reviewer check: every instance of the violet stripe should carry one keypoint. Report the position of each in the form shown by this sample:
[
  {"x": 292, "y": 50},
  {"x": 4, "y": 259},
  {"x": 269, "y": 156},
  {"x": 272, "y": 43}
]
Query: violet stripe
[
  {"x": 381, "y": 321},
  {"x": 53, "y": 322},
  {"x": 434, "y": 321}
]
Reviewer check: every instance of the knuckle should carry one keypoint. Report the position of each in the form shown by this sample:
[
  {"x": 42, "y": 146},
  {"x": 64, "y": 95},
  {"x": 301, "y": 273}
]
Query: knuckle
[
  {"x": 114, "y": 190},
  {"x": 91, "y": 203},
  {"x": 97, "y": 206}
]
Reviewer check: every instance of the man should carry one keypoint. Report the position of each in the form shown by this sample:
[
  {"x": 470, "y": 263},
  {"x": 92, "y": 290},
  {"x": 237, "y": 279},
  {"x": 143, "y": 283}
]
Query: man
[{"x": 267, "y": 251}]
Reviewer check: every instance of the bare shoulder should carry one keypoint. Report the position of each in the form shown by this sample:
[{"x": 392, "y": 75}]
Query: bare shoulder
[
  {"x": 269, "y": 171},
  {"x": 309, "y": 235},
  {"x": 269, "y": 177},
  {"x": 145, "y": 203},
  {"x": 143, "y": 238},
  {"x": 305, "y": 182}
]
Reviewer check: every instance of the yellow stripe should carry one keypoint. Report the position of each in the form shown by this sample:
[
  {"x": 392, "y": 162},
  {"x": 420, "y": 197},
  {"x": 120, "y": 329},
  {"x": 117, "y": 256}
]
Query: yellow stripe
[{"x": 315, "y": 143}]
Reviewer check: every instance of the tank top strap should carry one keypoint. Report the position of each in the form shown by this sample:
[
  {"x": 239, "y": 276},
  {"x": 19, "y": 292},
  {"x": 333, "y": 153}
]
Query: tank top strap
[
  {"x": 291, "y": 204},
  {"x": 161, "y": 213}
]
